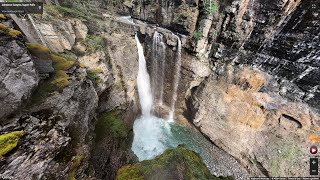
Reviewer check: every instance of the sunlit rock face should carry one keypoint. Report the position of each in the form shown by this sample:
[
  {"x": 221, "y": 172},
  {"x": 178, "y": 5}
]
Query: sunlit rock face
[{"x": 243, "y": 113}]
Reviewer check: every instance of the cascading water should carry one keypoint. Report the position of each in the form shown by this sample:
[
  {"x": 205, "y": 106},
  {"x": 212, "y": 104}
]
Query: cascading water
[
  {"x": 158, "y": 64},
  {"x": 153, "y": 135},
  {"x": 143, "y": 81},
  {"x": 149, "y": 131},
  {"x": 176, "y": 80}
]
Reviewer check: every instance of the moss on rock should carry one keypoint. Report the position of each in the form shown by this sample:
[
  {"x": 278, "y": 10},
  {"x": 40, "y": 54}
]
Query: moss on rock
[
  {"x": 76, "y": 162},
  {"x": 9, "y": 31},
  {"x": 60, "y": 79},
  {"x": 110, "y": 124},
  {"x": 37, "y": 49},
  {"x": 61, "y": 63},
  {"x": 177, "y": 163},
  {"x": 2, "y": 16},
  {"x": 9, "y": 141}
]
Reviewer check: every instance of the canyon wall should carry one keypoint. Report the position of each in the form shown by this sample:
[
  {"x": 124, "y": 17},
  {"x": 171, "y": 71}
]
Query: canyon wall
[
  {"x": 74, "y": 101},
  {"x": 250, "y": 76},
  {"x": 249, "y": 82}
]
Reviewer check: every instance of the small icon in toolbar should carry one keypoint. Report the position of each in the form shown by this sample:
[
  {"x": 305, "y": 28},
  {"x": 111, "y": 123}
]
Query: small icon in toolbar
[
  {"x": 313, "y": 149},
  {"x": 314, "y": 139},
  {"x": 314, "y": 168}
]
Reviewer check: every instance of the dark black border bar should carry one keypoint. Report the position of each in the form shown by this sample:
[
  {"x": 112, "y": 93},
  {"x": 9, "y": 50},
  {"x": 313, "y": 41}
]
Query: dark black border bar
[{"x": 21, "y": 7}]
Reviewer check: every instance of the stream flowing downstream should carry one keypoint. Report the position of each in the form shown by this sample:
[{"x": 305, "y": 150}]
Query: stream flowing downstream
[{"x": 153, "y": 135}]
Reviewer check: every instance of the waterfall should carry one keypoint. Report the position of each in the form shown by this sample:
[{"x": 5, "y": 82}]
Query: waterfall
[
  {"x": 143, "y": 81},
  {"x": 153, "y": 135},
  {"x": 176, "y": 80},
  {"x": 149, "y": 131},
  {"x": 158, "y": 65}
]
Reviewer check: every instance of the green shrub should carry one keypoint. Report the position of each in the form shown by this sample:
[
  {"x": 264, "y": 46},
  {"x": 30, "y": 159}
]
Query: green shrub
[
  {"x": 9, "y": 141},
  {"x": 109, "y": 124},
  {"x": 53, "y": 10},
  {"x": 92, "y": 75},
  {"x": 69, "y": 56},
  {"x": 211, "y": 7},
  {"x": 94, "y": 43},
  {"x": 197, "y": 35},
  {"x": 130, "y": 172}
]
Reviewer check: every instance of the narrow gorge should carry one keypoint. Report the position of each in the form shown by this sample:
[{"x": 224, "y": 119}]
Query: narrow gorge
[{"x": 160, "y": 89}]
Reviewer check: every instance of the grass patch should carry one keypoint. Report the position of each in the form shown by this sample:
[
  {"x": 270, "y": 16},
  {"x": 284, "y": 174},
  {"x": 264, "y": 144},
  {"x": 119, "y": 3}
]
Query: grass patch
[
  {"x": 78, "y": 10},
  {"x": 92, "y": 75},
  {"x": 197, "y": 35},
  {"x": 9, "y": 141},
  {"x": 173, "y": 163},
  {"x": 76, "y": 162},
  {"x": 52, "y": 10},
  {"x": 94, "y": 43},
  {"x": 3, "y": 28},
  {"x": 69, "y": 56},
  {"x": 98, "y": 70},
  {"x": 211, "y": 7},
  {"x": 275, "y": 169},
  {"x": 60, "y": 80},
  {"x": 110, "y": 124}
]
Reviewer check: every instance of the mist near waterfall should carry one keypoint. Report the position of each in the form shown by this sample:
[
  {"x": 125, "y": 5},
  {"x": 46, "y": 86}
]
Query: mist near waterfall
[{"x": 153, "y": 135}]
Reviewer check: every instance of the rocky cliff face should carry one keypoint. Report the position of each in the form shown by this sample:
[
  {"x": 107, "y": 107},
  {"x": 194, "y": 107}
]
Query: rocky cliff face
[
  {"x": 18, "y": 76},
  {"x": 249, "y": 82},
  {"x": 81, "y": 77},
  {"x": 249, "y": 75}
]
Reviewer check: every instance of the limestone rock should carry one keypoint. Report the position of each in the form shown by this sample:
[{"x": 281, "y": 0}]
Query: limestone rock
[
  {"x": 18, "y": 76},
  {"x": 80, "y": 28},
  {"x": 124, "y": 71},
  {"x": 253, "y": 125},
  {"x": 60, "y": 35},
  {"x": 97, "y": 63}
]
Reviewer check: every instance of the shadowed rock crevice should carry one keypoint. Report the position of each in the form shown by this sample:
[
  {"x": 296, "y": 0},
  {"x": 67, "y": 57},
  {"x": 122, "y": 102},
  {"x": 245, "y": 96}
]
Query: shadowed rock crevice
[{"x": 298, "y": 124}]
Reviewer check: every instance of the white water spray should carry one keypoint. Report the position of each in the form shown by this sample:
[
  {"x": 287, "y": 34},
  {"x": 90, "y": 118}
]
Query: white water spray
[
  {"x": 143, "y": 81},
  {"x": 158, "y": 65},
  {"x": 150, "y": 132},
  {"x": 176, "y": 80}
]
